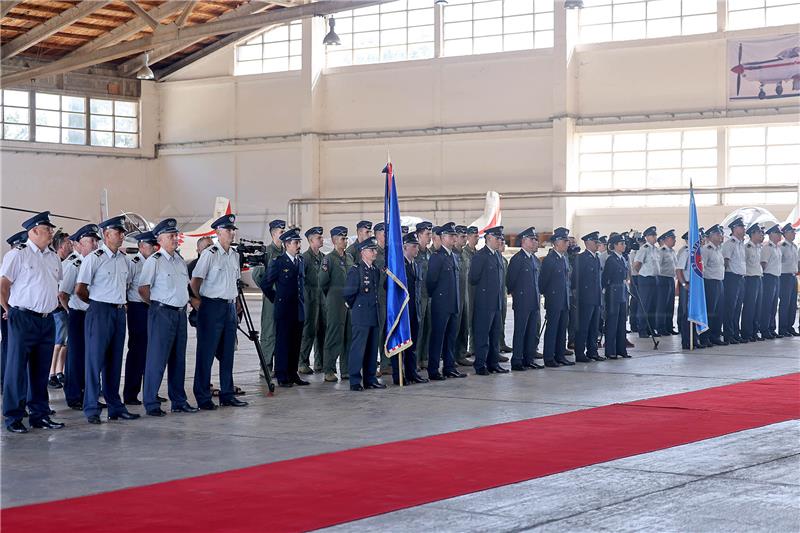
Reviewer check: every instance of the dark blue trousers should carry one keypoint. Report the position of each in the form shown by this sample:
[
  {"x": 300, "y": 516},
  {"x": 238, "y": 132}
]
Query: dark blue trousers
[
  {"x": 30, "y": 352},
  {"x": 526, "y": 335},
  {"x": 137, "y": 350},
  {"x": 3, "y": 347},
  {"x": 409, "y": 354},
  {"x": 442, "y": 345},
  {"x": 715, "y": 292},
  {"x": 615, "y": 328},
  {"x": 486, "y": 330},
  {"x": 216, "y": 334},
  {"x": 769, "y": 304},
  {"x": 166, "y": 349},
  {"x": 588, "y": 330},
  {"x": 683, "y": 318},
  {"x": 555, "y": 334},
  {"x": 788, "y": 303},
  {"x": 732, "y": 305},
  {"x": 751, "y": 316},
  {"x": 104, "y": 332},
  {"x": 75, "y": 366},
  {"x": 288, "y": 339},
  {"x": 648, "y": 298},
  {"x": 363, "y": 347},
  {"x": 666, "y": 303}
]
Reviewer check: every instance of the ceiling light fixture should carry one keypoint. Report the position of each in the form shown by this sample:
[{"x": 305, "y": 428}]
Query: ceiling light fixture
[
  {"x": 331, "y": 38},
  {"x": 145, "y": 73}
]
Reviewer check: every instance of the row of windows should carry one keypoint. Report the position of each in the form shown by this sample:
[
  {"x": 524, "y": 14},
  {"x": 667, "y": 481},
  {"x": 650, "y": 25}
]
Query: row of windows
[
  {"x": 55, "y": 118},
  {"x": 755, "y": 155},
  {"x": 405, "y": 29}
]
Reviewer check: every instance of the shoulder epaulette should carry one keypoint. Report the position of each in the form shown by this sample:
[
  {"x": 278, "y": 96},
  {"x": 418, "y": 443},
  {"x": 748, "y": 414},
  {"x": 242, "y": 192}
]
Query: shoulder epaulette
[
  {"x": 136, "y": 259},
  {"x": 782, "y": 244},
  {"x": 710, "y": 246},
  {"x": 664, "y": 248},
  {"x": 98, "y": 252},
  {"x": 213, "y": 249},
  {"x": 158, "y": 254},
  {"x": 71, "y": 257},
  {"x": 77, "y": 262},
  {"x": 21, "y": 246},
  {"x": 749, "y": 245}
]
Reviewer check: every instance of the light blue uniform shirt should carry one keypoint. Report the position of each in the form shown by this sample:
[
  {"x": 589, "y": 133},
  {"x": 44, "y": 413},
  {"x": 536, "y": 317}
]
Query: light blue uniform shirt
[
  {"x": 733, "y": 251},
  {"x": 167, "y": 277},
  {"x": 106, "y": 275},
  {"x": 71, "y": 266},
  {"x": 648, "y": 257},
  {"x": 34, "y": 275},
  {"x": 219, "y": 271},
  {"x": 134, "y": 274}
]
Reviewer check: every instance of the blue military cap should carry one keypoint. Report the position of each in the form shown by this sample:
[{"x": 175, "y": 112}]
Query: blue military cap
[
  {"x": 380, "y": 226},
  {"x": 561, "y": 234},
  {"x": 316, "y": 230},
  {"x": 291, "y": 234},
  {"x": 529, "y": 233},
  {"x": 225, "y": 222},
  {"x": 18, "y": 238},
  {"x": 603, "y": 239},
  {"x": 422, "y": 226},
  {"x": 736, "y": 222},
  {"x": 614, "y": 239},
  {"x": 367, "y": 244},
  {"x": 754, "y": 228},
  {"x": 410, "y": 238},
  {"x": 404, "y": 230},
  {"x": 666, "y": 235},
  {"x": 338, "y": 231},
  {"x": 40, "y": 219},
  {"x": 461, "y": 230},
  {"x": 277, "y": 224},
  {"x": 168, "y": 225},
  {"x": 437, "y": 230},
  {"x": 472, "y": 230},
  {"x": 593, "y": 236},
  {"x": 448, "y": 229},
  {"x": 788, "y": 227},
  {"x": 685, "y": 236},
  {"x": 117, "y": 223},
  {"x": 773, "y": 229},
  {"x": 365, "y": 224},
  {"x": 146, "y": 237},
  {"x": 716, "y": 228},
  {"x": 650, "y": 231},
  {"x": 496, "y": 231},
  {"x": 89, "y": 230},
  {"x": 701, "y": 230}
]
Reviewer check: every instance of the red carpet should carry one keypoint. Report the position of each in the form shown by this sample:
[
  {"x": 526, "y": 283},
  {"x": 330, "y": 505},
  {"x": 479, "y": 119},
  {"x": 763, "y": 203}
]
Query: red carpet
[{"x": 318, "y": 491}]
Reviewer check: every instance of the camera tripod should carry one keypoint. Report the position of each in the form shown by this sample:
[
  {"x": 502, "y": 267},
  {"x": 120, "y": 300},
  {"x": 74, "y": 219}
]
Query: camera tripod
[{"x": 252, "y": 334}]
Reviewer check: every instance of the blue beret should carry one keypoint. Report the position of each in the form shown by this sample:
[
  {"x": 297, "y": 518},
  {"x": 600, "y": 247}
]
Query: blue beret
[
  {"x": 496, "y": 231},
  {"x": 754, "y": 227},
  {"x": 146, "y": 236},
  {"x": 40, "y": 219},
  {"x": 787, "y": 227},
  {"x": 410, "y": 238},
  {"x": 338, "y": 231},
  {"x": 89, "y": 230},
  {"x": 422, "y": 226},
  {"x": 593, "y": 236},
  {"x": 316, "y": 230},
  {"x": 650, "y": 231},
  {"x": 292, "y": 234},
  {"x": 366, "y": 224},
  {"x": 666, "y": 235},
  {"x": 113, "y": 223},
  {"x": 380, "y": 226},
  {"x": 370, "y": 243},
  {"x": 168, "y": 225},
  {"x": 736, "y": 222},
  {"x": 472, "y": 230},
  {"x": 18, "y": 238},
  {"x": 225, "y": 222},
  {"x": 277, "y": 224},
  {"x": 774, "y": 229}
]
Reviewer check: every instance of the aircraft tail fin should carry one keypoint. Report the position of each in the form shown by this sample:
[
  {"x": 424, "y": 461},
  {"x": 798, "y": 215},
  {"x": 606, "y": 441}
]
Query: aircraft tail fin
[
  {"x": 492, "y": 216},
  {"x": 222, "y": 206}
]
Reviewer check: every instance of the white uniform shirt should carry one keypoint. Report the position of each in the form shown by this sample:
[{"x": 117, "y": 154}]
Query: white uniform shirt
[
  {"x": 106, "y": 275},
  {"x": 752, "y": 255},
  {"x": 34, "y": 275},
  {"x": 167, "y": 277},
  {"x": 771, "y": 255},
  {"x": 713, "y": 262},
  {"x": 70, "y": 267},
  {"x": 667, "y": 261},
  {"x": 135, "y": 265},
  {"x": 219, "y": 271},
  {"x": 648, "y": 257},
  {"x": 788, "y": 257},
  {"x": 733, "y": 251}
]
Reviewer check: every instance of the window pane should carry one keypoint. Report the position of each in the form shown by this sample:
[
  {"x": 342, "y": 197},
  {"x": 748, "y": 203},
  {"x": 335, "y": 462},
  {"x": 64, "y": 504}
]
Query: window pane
[
  {"x": 15, "y": 132},
  {"x": 663, "y": 8},
  {"x": 746, "y": 136},
  {"x": 699, "y": 138},
  {"x": 517, "y": 7},
  {"x": 420, "y": 17},
  {"x": 125, "y": 140},
  {"x": 664, "y": 159},
  {"x": 624, "y": 142},
  {"x": 100, "y": 138},
  {"x": 367, "y": 23},
  {"x": 486, "y": 10},
  {"x": 457, "y": 30},
  {"x": 629, "y": 160},
  {"x": 700, "y": 24},
  {"x": 663, "y": 27},
  {"x": 16, "y": 115},
  {"x": 596, "y": 143},
  {"x": 245, "y": 53},
  {"x": 629, "y": 12},
  {"x": 482, "y": 28},
  {"x": 595, "y": 162},
  {"x": 73, "y": 136},
  {"x": 664, "y": 178},
  {"x": 700, "y": 177},
  {"x": 48, "y": 101},
  {"x": 366, "y": 40},
  {"x": 454, "y": 13},
  {"x": 630, "y": 179},
  {"x": 393, "y": 20},
  {"x": 99, "y": 122},
  {"x": 595, "y": 15},
  {"x": 458, "y": 47},
  {"x": 755, "y": 175},
  {"x": 72, "y": 103},
  {"x": 47, "y": 135},
  {"x": 783, "y": 174},
  {"x": 124, "y": 124},
  {"x": 751, "y": 18},
  {"x": 73, "y": 120},
  {"x": 783, "y": 135},
  {"x": 420, "y": 34},
  {"x": 663, "y": 140},
  {"x": 47, "y": 118},
  {"x": 543, "y": 21},
  {"x": 393, "y": 53},
  {"x": 544, "y": 39},
  {"x": 590, "y": 181},
  {"x": 487, "y": 45},
  {"x": 281, "y": 33},
  {"x": 15, "y": 98},
  {"x": 280, "y": 64},
  {"x": 700, "y": 158},
  {"x": 519, "y": 41},
  {"x": 746, "y": 156},
  {"x": 103, "y": 107},
  {"x": 783, "y": 154}
]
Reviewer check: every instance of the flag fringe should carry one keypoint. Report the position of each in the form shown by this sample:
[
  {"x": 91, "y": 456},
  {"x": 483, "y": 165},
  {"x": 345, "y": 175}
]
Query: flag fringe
[{"x": 403, "y": 346}]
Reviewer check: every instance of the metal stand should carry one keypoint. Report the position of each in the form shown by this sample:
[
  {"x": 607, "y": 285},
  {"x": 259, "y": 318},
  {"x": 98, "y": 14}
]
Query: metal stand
[{"x": 252, "y": 334}]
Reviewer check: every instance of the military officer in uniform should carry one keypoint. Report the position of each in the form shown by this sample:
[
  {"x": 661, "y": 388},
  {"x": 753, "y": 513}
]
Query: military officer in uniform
[
  {"x": 137, "y": 321},
  {"x": 424, "y": 232},
  {"x": 314, "y": 326},
  {"x": 18, "y": 238},
  {"x": 787, "y": 310},
  {"x": 361, "y": 294},
  {"x": 588, "y": 295},
  {"x": 215, "y": 279},
  {"x": 646, "y": 264},
  {"x": 667, "y": 262},
  {"x": 413, "y": 284},
  {"x": 464, "y": 348},
  {"x": 682, "y": 273},
  {"x": 363, "y": 232},
  {"x": 753, "y": 290},
  {"x": 379, "y": 230},
  {"x": 486, "y": 277},
  {"x": 735, "y": 267},
  {"x": 86, "y": 240},
  {"x": 522, "y": 283},
  {"x": 615, "y": 279},
  {"x": 554, "y": 284},
  {"x": 274, "y": 250},
  {"x": 713, "y": 276},
  {"x": 29, "y": 279},
  {"x": 463, "y": 282},
  {"x": 284, "y": 287},
  {"x": 332, "y": 277},
  {"x": 442, "y": 283},
  {"x": 771, "y": 266},
  {"x": 102, "y": 283}
]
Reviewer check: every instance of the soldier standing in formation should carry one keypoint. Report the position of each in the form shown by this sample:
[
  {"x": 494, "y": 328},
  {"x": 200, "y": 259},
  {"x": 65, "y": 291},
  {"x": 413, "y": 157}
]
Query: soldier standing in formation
[
  {"x": 332, "y": 278},
  {"x": 314, "y": 326},
  {"x": 274, "y": 250},
  {"x": 522, "y": 283}
]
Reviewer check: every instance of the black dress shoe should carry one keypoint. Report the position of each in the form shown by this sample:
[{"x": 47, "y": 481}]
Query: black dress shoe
[
  {"x": 583, "y": 359},
  {"x": 101, "y": 405},
  {"x": 300, "y": 383},
  {"x": 742, "y": 340},
  {"x": 46, "y": 423},
  {"x": 125, "y": 415},
  {"x": 234, "y": 402},
  {"x": 185, "y": 408},
  {"x": 597, "y": 357},
  {"x": 499, "y": 370},
  {"x": 17, "y": 427},
  {"x": 717, "y": 342},
  {"x": 94, "y": 419},
  {"x": 161, "y": 399},
  {"x": 285, "y": 384},
  {"x": 482, "y": 372},
  {"x": 454, "y": 374},
  {"x": 731, "y": 340},
  {"x": 626, "y": 356},
  {"x": 436, "y": 377},
  {"x": 533, "y": 365},
  {"x": 419, "y": 379},
  {"x": 135, "y": 401},
  {"x": 53, "y": 383},
  {"x": 357, "y": 387},
  {"x": 518, "y": 368},
  {"x": 376, "y": 385},
  {"x": 552, "y": 364},
  {"x": 61, "y": 378},
  {"x": 565, "y": 362},
  {"x": 156, "y": 412},
  {"x": 207, "y": 406},
  {"x": 610, "y": 356},
  {"x": 78, "y": 406}
]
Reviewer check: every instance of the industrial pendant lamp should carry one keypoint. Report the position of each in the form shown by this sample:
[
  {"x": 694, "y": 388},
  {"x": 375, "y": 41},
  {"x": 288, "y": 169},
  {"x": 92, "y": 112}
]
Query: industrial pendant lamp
[
  {"x": 573, "y": 4},
  {"x": 145, "y": 73},
  {"x": 331, "y": 37}
]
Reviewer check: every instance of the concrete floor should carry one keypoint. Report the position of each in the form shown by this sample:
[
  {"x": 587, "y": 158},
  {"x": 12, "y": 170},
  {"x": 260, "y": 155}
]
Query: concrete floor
[{"x": 745, "y": 481}]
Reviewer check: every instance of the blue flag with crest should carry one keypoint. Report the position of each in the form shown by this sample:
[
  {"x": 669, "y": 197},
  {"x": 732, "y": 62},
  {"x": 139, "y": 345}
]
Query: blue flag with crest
[
  {"x": 697, "y": 312},
  {"x": 398, "y": 324}
]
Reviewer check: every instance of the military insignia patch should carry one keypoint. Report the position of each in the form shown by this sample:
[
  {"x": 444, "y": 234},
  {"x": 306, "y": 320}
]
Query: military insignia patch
[{"x": 324, "y": 265}]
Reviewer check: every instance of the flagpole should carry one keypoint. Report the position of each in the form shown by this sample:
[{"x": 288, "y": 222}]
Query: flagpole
[
  {"x": 691, "y": 330},
  {"x": 400, "y": 366}
]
